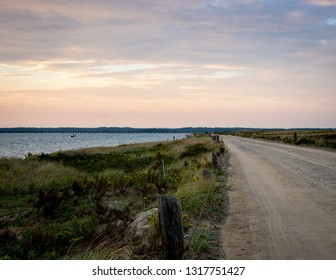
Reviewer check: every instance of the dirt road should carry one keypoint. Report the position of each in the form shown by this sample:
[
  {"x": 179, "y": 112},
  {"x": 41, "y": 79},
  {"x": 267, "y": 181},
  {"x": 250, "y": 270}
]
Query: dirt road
[{"x": 282, "y": 201}]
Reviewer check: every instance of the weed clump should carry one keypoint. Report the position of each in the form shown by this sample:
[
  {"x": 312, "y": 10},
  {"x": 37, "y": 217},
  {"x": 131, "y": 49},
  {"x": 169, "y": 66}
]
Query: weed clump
[{"x": 194, "y": 151}]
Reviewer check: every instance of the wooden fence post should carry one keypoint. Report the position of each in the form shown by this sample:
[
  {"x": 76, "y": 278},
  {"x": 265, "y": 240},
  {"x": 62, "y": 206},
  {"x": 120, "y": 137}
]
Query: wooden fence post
[
  {"x": 163, "y": 172},
  {"x": 214, "y": 161},
  {"x": 295, "y": 137},
  {"x": 171, "y": 225}
]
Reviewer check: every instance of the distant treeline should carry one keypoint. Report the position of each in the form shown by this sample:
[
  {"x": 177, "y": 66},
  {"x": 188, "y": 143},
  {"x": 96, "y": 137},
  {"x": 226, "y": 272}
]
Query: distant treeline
[
  {"x": 187, "y": 130},
  {"x": 115, "y": 130}
]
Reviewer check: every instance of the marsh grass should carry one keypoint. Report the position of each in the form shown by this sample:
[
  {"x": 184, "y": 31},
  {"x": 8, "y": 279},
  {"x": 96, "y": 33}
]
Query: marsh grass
[
  {"x": 317, "y": 138},
  {"x": 25, "y": 176},
  {"x": 103, "y": 250},
  {"x": 78, "y": 204},
  {"x": 201, "y": 241}
]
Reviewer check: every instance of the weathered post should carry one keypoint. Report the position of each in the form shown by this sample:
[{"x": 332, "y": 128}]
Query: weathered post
[
  {"x": 171, "y": 226},
  {"x": 163, "y": 172},
  {"x": 214, "y": 161},
  {"x": 295, "y": 137}
]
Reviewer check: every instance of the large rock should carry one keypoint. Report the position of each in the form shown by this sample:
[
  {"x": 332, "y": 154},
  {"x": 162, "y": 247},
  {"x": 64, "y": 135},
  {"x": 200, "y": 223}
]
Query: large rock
[{"x": 144, "y": 230}]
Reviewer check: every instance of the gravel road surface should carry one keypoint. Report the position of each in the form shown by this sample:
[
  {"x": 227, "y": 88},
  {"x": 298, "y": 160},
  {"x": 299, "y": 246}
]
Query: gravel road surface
[{"x": 282, "y": 201}]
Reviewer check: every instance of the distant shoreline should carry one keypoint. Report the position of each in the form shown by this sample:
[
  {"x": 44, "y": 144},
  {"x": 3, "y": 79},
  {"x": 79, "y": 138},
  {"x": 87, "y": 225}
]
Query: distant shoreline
[{"x": 184, "y": 130}]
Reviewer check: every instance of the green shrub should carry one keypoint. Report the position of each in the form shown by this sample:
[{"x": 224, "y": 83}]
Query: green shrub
[
  {"x": 288, "y": 140},
  {"x": 305, "y": 141},
  {"x": 194, "y": 151}
]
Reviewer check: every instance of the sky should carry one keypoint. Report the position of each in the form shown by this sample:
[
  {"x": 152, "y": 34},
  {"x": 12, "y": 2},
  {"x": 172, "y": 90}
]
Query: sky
[{"x": 146, "y": 63}]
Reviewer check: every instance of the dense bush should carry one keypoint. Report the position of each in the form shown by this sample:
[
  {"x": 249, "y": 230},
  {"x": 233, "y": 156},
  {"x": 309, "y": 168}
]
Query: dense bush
[
  {"x": 305, "y": 141},
  {"x": 194, "y": 151}
]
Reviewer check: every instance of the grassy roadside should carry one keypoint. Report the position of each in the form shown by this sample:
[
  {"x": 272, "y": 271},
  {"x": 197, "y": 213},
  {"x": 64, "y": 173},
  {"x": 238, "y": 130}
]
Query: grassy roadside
[
  {"x": 79, "y": 204},
  {"x": 317, "y": 138}
]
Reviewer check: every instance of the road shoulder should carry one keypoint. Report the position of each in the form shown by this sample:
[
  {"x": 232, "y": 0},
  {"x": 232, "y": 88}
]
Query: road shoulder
[{"x": 236, "y": 233}]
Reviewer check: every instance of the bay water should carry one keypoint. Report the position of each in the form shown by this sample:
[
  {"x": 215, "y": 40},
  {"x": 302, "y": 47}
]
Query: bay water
[{"x": 20, "y": 144}]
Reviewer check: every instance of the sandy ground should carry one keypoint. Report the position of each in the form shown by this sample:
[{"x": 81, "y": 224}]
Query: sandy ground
[{"x": 282, "y": 201}]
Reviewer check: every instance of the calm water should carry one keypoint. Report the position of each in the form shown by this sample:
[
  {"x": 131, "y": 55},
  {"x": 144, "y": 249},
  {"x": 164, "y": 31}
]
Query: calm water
[{"x": 20, "y": 144}]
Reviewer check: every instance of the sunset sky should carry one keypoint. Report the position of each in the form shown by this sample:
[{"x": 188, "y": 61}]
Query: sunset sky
[{"x": 146, "y": 63}]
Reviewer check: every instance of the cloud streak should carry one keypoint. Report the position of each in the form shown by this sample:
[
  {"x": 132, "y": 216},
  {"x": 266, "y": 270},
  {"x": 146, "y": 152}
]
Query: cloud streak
[
  {"x": 323, "y": 3},
  {"x": 237, "y": 54}
]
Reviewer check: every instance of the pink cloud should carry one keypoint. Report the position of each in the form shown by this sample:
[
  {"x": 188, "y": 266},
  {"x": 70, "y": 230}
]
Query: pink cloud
[{"x": 323, "y": 3}]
